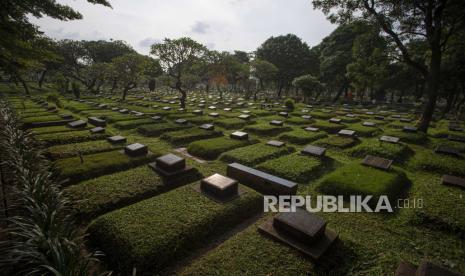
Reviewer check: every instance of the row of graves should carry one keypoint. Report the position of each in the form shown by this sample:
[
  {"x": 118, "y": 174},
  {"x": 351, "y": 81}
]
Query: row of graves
[{"x": 154, "y": 184}]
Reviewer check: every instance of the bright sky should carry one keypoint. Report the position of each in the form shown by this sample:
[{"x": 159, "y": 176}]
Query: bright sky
[{"x": 218, "y": 24}]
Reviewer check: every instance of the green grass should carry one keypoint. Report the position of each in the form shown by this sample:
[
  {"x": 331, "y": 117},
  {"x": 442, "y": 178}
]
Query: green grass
[
  {"x": 328, "y": 127},
  {"x": 158, "y": 129},
  {"x": 212, "y": 148},
  {"x": 103, "y": 194},
  {"x": 40, "y": 119},
  {"x": 69, "y": 137},
  {"x": 265, "y": 129},
  {"x": 231, "y": 123},
  {"x": 357, "y": 179},
  {"x": 362, "y": 130},
  {"x": 408, "y": 137},
  {"x": 156, "y": 232},
  {"x": 69, "y": 150},
  {"x": 295, "y": 167},
  {"x": 254, "y": 154},
  {"x": 53, "y": 129},
  {"x": 184, "y": 137},
  {"x": 300, "y": 136},
  {"x": 429, "y": 161},
  {"x": 397, "y": 152},
  {"x": 321, "y": 115},
  {"x": 133, "y": 123},
  {"x": 298, "y": 121},
  {"x": 98, "y": 164},
  {"x": 120, "y": 117},
  {"x": 336, "y": 141}
]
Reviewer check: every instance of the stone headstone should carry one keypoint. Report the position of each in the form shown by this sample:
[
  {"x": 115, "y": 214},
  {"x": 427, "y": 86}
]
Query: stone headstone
[
  {"x": 214, "y": 114},
  {"x": 389, "y": 139},
  {"x": 136, "y": 149},
  {"x": 306, "y": 117},
  {"x": 97, "y": 130},
  {"x": 102, "y": 105},
  {"x": 453, "y": 180},
  {"x": 239, "y": 135},
  {"x": 244, "y": 116},
  {"x": 456, "y": 138},
  {"x": 381, "y": 118},
  {"x": 77, "y": 124},
  {"x": 314, "y": 151},
  {"x": 181, "y": 121},
  {"x": 117, "y": 139},
  {"x": 313, "y": 129},
  {"x": 405, "y": 120},
  {"x": 369, "y": 124},
  {"x": 283, "y": 114},
  {"x": 275, "y": 143},
  {"x": 96, "y": 121},
  {"x": 197, "y": 112},
  {"x": 212, "y": 107},
  {"x": 410, "y": 129},
  {"x": 115, "y": 109},
  {"x": 346, "y": 132},
  {"x": 443, "y": 149},
  {"x": 207, "y": 127},
  {"x": 377, "y": 162},
  {"x": 335, "y": 120},
  {"x": 170, "y": 163},
  {"x": 227, "y": 109},
  {"x": 350, "y": 115},
  {"x": 66, "y": 116},
  {"x": 276, "y": 123},
  {"x": 302, "y": 225},
  {"x": 156, "y": 118},
  {"x": 123, "y": 111},
  {"x": 219, "y": 186}
]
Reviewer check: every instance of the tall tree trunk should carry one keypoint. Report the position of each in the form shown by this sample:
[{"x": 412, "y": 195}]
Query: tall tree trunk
[
  {"x": 125, "y": 92},
  {"x": 23, "y": 82},
  {"x": 339, "y": 93},
  {"x": 113, "y": 86},
  {"x": 42, "y": 78}
]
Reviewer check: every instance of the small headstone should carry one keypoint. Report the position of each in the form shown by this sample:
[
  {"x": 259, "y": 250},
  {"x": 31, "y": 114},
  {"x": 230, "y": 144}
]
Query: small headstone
[
  {"x": 227, "y": 109},
  {"x": 170, "y": 163},
  {"x": 275, "y": 143},
  {"x": 389, "y": 139},
  {"x": 181, "y": 121},
  {"x": 244, "y": 116},
  {"x": 350, "y": 115},
  {"x": 97, "y": 130},
  {"x": 276, "y": 123},
  {"x": 197, "y": 112},
  {"x": 377, "y": 162},
  {"x": 314, "y": 151},
  {"x": 395, "y": 116},
  {"x": 405, "y": 120},
  {"x": 381, "y": 118},
  {"x": 166, "y": 108},
  {"x": 96, "y": 121},
  {"x": 115, "y": 109},
  {"x": 301, "y": 224},
  {"x": 443, "y": 149},
  {"x": 102, "y": 105},
  {"x": 219, "y": 186},
  {"x": 66, "y": 116},
  {"x": 370, "y": 113},
  {"x": 117, "y": 139},
  {"x": 453, "y": 180},
  {"x": 214, "y": 114},
  {"x": 136, "y": 149},
  {"x": 239, "y": 135},
  {"x": 456, "y": 138},
  {"x": 246, "y": 111},
  {"x": 411, "y": 129},
  {"x": 369, "y": 124},
  {"x": 306, "y": 117},
  {"x": 284, "y": 114},
  {"x": 207, "y": 127},
  {"x": 77, "y": 124},
  {"x": 123, "y": 111},
  {"x": 346, "y": 132},
  {"x": 313, "y": 129},
  {"x": 156, "y": 118},
  {"x": 335, "y": 120},
  {"x": 212, "y": 107}
]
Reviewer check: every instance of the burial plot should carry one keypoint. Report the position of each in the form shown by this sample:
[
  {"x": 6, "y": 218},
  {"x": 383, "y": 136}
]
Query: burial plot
[
  {"x": 313, "y": 129},
  {"x": 219, "y": 188},
  {"x": 346, "y": 133},
  {"x": 214, "y": 114},
  {"x": 276, "y": 123},
  {"x": 306, "y": 117},
  {"x": 283, "y": 114},
  {"x": 197, "y": 112},
  {"x": 314, "y": 151},
  {"x": 207, "y": 127},
  {"x": 389, "y": 139},
  {"x": 77, "y": 124},
  {"x": 136, "y": 149},
  {"x": 244, "y": 116},
  {"x": 425, "y": 268},
  {"x": 239, "y": 135},
  {"x": 377, "y": 162},
  {"x": 410, "y": 129},
  {"x": 96, "y": 121},
  {"x": 301, "y": 230},
  {"x": 335, "y": 120},
  {"x": 172, "y": 168},
  {"x": 123, "y": 111},
  {"x": 261, "y": 181},
  {"x": 453, "y": 181},
  {"x": 275, "y": 143},
  {"x": 443, "y": 149},
  {"x": 181, "y": 121},
  {"x": 456, "y": 138},
  {"x": 156, "y": 118},
  {"x": 369, "y": 124},
  {"x": 97, "y": 130},
  {"x": 117, "y": 139},
  {"x": 66, "y": 116}
]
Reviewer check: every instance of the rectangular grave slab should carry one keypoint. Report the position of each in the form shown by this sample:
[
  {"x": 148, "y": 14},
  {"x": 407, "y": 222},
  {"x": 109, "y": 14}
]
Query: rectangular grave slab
[
  {"x": 66, "y": 116},
  {"x": 411, "y": 129},
  {"x": 275, "y": 143},
  {"x": 115, "y": 109},
  {"x": 77, "y": 124},
  {"x": 350, "y": 115},
  {"x": 166, "y": 108},
  {"x": 456, "y": 138},
  {"x": 395, "y": 116},
  {"x": 207, "y": 127},
  {"x": 377, "y": 162},
  {"x": 283, "y": 114},
  {"x": 219, "y": 186},
  {"x": 227, "y": 109},
  {"x": 389, "y": 139},
  {"x": 335, "y": 120},
  {"x": 197, "y": 112},
  {"x": 276, "y": 123},
  {"x": 212, "y": 107},
  {"x": 97, "y": 130},
  {"x": 346, "y": 132},
  {"x": 306, "y": 117},
  {"x": 136, "y": 149},
  {"x": 369, "y": 124},
  {"x": 453, "y": 180},
  {"x": 123, "y": 111},
  {"x": 369, "y": 113},
  {"x": 261, "y": 181},
  {"x": 313, "y": 129},
  {"x": 181, "y": 121},
  {"x": 102, "y": 105},
  {"x": 214, "y": 114},
  {"x": 246, "y": 111},
  {"x": 170, "y": 163},
  {"x": 314, "y": 151},
  {"x": 156, "y": 118},
  {"x": 442, "y": 149},
  {"x": 239, "y": 135},
  {"x": 96, "y": 121},
  {"x": 301, "y": 225},
  {"x": 244, "y": 116},
  {"x": 405, "y": 120},
  {"x": 117, "y": 139},
  {"x": 381, "y": 118}
]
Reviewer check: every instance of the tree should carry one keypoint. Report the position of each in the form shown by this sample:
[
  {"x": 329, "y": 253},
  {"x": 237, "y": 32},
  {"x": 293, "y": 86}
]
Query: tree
[
  {"x": 308, "y": 84},
  {"x": 177, "y": 57},
  {"x": 290, "y": 55},
  {"x": 435, "y": 21},
  {"x": 264, "y": 72},
  {"x": 129, "y": 68}
]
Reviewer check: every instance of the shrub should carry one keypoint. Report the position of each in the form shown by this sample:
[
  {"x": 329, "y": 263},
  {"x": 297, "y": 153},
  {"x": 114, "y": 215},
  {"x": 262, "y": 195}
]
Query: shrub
[
  {"x": 157, "y": 129},
  {"x": 69, "y": 150},
  {"x": 357, "y": 179},
  {"x": 254, "y": 154},
  {"x": 53, "y": 98},
  {"x": 439, "y": 163},
  {"x": 409, "y": 137},
  {"x": 98, "y": 164},
  {"x": 142, "y": 235},
  {"x": 301, "y": 136},
  {"x": 69, "y": 137},
  {"x": 182, "y": 137},
  {"x": 397, "y": 152},
  {"x": 296, "y": 167},
  {"x": 289, "y": 103},
  {"x": 212, "y": 148}
]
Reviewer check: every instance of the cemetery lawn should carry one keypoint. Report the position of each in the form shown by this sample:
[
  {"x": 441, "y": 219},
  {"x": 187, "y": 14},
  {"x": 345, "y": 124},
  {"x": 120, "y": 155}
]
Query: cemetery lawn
[
  {"x": 300, "y": 136},
  {"x": 336, "y": 141},
  {"x": 427, "y": 160},
  {"x": 212, "y": 148},
  {"x": 265, "y": 129},
  {"x": 183, "y": 137},
  {"x": 254, "y": 154},
  {"x": 70, "y": 137},
  {"x": 69, "y": 150},
  {"x": 397, "y": 152}
]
